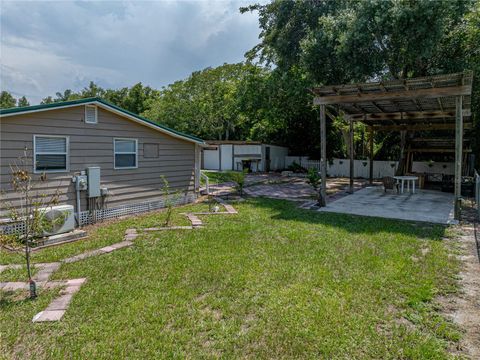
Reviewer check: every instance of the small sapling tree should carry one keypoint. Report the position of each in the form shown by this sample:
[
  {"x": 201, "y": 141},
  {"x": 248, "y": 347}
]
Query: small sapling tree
[
  {"x": 171, "y": 198},
  {"x": 28, "y": 219}
]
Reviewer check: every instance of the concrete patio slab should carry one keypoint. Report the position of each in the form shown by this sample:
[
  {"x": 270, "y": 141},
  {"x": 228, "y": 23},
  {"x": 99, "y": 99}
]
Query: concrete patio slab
[{"x": 425, "y": 205}]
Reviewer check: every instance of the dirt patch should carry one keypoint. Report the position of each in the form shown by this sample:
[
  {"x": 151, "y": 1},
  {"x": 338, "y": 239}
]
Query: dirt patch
[
  {"x": 250, "y": 319},
  {"x": 463, "y": 308}
]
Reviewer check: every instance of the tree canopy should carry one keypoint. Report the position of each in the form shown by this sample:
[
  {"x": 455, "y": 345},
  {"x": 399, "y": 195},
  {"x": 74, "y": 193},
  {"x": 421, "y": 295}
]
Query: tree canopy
[
  {"x": 347, "y": 41},
  {"x": 303, "y": 44}
]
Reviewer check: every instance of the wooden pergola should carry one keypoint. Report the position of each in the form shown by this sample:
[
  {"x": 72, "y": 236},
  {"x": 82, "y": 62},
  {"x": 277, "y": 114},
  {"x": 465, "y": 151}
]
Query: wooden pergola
[{"x": 441, "y": 102}]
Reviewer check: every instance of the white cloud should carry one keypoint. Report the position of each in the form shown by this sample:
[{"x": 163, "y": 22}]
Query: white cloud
[{"x": 63, "y": 45}]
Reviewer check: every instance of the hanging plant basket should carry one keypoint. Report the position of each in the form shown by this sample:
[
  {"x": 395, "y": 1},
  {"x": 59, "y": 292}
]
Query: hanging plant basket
[{"x": 364, "y": 163}]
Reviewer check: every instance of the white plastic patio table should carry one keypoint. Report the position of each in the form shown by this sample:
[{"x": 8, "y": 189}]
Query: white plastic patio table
[{"x": 408, "y": 179}]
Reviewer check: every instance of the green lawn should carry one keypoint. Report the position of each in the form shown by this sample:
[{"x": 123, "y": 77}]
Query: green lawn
[
  {"x": 217, "y": 177},
  {"x": 273, "y": 281}
]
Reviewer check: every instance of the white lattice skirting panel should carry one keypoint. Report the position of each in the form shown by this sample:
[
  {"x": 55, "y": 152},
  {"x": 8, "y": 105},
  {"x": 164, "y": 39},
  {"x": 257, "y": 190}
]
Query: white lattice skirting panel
[{"x": 91, "y": 217}]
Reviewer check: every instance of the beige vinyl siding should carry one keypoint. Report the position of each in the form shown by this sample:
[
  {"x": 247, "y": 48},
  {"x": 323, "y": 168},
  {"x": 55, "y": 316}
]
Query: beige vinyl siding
[{"x": 92, "y": 145}]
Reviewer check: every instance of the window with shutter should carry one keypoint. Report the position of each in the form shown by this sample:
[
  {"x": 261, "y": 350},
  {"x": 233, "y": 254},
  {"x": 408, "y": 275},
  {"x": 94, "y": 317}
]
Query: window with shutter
[
  {"x": 125, "y": 153},
  {"x": 50, "y": 153},
  {"x": 91, "y": 114}
]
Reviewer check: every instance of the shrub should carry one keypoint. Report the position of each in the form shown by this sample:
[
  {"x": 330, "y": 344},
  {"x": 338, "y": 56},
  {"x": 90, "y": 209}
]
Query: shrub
[
  {"x": 296, "y": 168},
  {"x": 239, "y": 178}
]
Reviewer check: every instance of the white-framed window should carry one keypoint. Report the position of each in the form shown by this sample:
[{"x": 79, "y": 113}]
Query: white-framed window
[
  {"x": 91, "y": 114},
  {"x": 125, "y": 153},
  {"x": 50, "y": 153}
]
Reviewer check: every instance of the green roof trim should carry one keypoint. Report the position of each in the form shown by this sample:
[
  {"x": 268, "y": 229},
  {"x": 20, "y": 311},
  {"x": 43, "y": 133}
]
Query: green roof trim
[{"x": 55, "y": 105}]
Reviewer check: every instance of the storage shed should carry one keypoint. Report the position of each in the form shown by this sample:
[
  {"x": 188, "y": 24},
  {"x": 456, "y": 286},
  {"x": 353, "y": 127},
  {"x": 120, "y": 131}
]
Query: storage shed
[{"x": 239, "y": 155}]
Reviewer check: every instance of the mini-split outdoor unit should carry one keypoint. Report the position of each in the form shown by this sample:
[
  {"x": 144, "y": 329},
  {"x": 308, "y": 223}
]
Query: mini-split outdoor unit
[{"x": 57, "y": 220}]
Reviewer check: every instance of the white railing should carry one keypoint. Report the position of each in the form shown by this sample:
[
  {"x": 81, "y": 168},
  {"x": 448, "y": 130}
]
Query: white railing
[{"x": 207, "y": 185}]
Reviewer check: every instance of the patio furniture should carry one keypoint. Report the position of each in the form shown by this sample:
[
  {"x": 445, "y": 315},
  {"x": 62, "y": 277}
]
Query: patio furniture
[
  {"x": 389, "y": 183},
  {"x": 421, "y": 179},
  {"x": 408, "y": 179}
]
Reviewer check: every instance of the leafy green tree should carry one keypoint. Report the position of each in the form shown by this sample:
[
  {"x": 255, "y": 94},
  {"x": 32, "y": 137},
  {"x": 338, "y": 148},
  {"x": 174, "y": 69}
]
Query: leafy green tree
[
  {"x": 136, "y": 97},
  {"x": 204, "y": 104},
  {"x": 23, "y": 102},
  {"x": 7, "y": 100},
  {"x": 344, "y": 41},
  {"x": 67, "y": 95},
  {"x": 47, "y": 100},
  {"x": 92, "y": 90}
]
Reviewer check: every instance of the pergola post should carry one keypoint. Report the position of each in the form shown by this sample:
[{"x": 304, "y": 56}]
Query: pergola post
[
  {"x": 350, "y": 190},
  {"x": 370, "y": 153},
  {"x": 323, "y": 156},
  {"x": 458, "y": 155}
]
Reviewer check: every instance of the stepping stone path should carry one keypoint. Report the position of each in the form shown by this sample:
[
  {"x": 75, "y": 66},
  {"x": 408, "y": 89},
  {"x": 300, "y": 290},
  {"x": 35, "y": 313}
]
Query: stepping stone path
[
  {"x": 57, "y": 308},
  {"x": 196, "y": 222},
  {"x": 169, "y": 228},
  {"x": 47, "y": 269},
  {"x": 12, "y": 266}
]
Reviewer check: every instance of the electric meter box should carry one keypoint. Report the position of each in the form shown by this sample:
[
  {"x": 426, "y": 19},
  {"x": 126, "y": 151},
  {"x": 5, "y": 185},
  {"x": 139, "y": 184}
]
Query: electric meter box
[
  {"x": 93, "y": 174},
  {"x": 81, "y": 183}
]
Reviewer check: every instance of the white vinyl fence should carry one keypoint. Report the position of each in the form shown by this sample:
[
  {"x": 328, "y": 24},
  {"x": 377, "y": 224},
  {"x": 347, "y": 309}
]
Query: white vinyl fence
[{"x": 361, "y": 168}]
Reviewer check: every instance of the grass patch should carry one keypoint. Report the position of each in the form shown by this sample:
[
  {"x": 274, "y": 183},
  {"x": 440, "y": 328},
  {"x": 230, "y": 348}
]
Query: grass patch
[
  {"x": 100, "y": 235},
  {"x": 16, "y": 274},
  {"x": 217, "y": 177},
  {"x": 273, "y": 281}
]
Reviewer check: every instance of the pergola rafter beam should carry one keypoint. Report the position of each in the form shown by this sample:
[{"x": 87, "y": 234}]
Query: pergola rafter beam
[
  {"x": 420, "y": 127},
  {"x": 430, "y": 93},
  {"x": 438, "y": 150},
  {"x": 408, "y": 115},
  {"x": 415, "y": 101}
]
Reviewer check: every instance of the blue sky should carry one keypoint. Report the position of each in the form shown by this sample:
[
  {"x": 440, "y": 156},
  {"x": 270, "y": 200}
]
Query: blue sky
[{"x": 51, "y": 46}]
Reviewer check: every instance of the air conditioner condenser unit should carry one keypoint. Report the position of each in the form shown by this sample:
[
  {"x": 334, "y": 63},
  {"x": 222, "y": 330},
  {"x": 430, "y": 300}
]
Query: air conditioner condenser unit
[{"x": 57, "y": 220}]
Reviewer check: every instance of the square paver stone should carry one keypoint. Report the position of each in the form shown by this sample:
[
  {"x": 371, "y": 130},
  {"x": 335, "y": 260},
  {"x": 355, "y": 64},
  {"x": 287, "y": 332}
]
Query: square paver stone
[
  {"x": 14, "y": 286},
  {"x": 108, "y": 249},
  {"x": 60, "y": 303},
  {"x": 48, "y": 315},
  {"x": 74, "y": 282}
]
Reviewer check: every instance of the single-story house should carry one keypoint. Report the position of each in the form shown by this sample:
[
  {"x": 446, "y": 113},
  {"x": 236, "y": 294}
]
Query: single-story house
[
  {"x": 116, "y": 156},
  {"x": 239, "y": 155}
]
